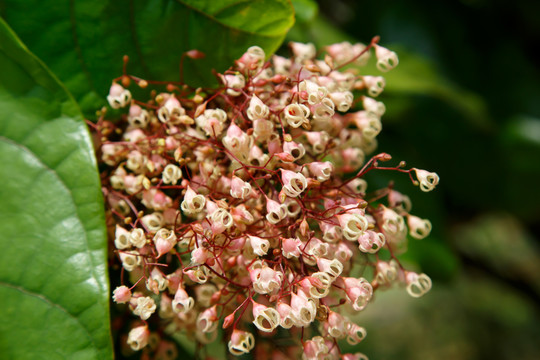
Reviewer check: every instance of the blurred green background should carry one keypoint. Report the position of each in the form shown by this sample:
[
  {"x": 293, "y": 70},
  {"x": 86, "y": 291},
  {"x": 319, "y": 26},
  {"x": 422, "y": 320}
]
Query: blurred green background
[{"x": 464, "y": 102}]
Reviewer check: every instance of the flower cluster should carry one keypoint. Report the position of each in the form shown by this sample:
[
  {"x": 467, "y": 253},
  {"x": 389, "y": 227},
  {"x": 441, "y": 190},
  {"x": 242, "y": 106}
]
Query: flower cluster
[{"x": 245, "y": 208}]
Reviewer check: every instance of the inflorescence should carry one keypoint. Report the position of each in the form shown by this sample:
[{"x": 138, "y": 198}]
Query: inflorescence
[{"x": 244, "y": 207}]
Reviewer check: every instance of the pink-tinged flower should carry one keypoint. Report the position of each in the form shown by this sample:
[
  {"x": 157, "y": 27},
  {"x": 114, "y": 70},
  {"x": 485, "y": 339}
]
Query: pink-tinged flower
[
  {"x": 138, "y": 117},
  {"x": 240, "y": 189},
  {"x": 343, "y": 252},
  {"x": 145, "y": 307},
  {"x": 417, "y": 284},
  {"x": 156, "y": 199},
  {"x": 171, "y": 110},
  {"x": 387, "y": 272},
  {"x": 398, "y": 200},
  {"x": 418, "y": 228},
  {"x": 368, "y": 123},
  {"x": 265, "y": 318},
  {"x": 296, "y": 114},
  {"x": 342, "y": 100},
  {"x": 130, "y": 260},
  {"x": 293, "y": 183},
  {"x": 371, "y": 241},
  {"x": 341, "y": 52},
  {"x": 302, "y": 52},
  {"x": 331, "y": 267},
  {"x": 257, "y": 157},
  {"x": 359, "y": 186},
  {"x": 171, "y": 174},
  {"x": 318, "y": 140},
  {"x": 257, "y": 109},
  {"x": 237, "y": 142},
  {"x": 331, "y": 233},
  {"x": 374, "y": 85},
  {"x": 393, "y": 227},
  {"x": 212, "y": 121},
  {"x": 386, "y": 59},
  {"x": 296, "y": 150},
  {"x": 322, "y": 170},
  {"x": 290, "y": 247},
  {"x": 304, "y": 310},
  {"x": 263, "y": 129},
  {"x": 316, "y": 248},
  {"x": 260, "y": 246},
  {"x": 207, "y": 321},
  {"x": 265, "y": 279},
  {"x": 315, "y": 349},
  {"x": 164, "y": 240},
  {"x": 336, "y": 325},
  {"x": 323, "y": 110},
  {"x": 137, "y": 237},
  {"x": 353, "y": 158},
  {"x": 356, "y": 356},
  {"x": 197, "y": 274},
  {"x": 252, "y": 59},
  {"x": 355, "y": 333},
  {"x": 315, "y": 93},
  {"x": 121, "y": 238},
  {"x": 118, "y": 96},
  {"x": 192, "y": 203},
  {"x": 121, "y": 294},
  {"x": 242, "y": 214},
  {"x": 359, "y": 292},
  {"x": 133, "y": 184},
  {"x": 285, "y": 314},
  {"x": 138, "y": 337},
  {"x": 199, "y": 255},
  {"x": 182, "y": 302},
  {"x": 276, "y": 211},
  {"x": 241, "y": 342},
  {"x": 352, "y": 225},
  {"x": 153, "y": 222},
  {"x": 234, "y": 83},
  {"x": 373, "y": 106},
  {"x": 281, "y": 64},
  {"x": 317, "y": 285},
  {"x": 428, "y": 180}
]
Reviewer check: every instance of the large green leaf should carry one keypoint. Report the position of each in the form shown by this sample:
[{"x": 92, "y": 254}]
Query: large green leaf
[
  {"x": 83, "y": 41},
  {"x": 53, "y": 276}
]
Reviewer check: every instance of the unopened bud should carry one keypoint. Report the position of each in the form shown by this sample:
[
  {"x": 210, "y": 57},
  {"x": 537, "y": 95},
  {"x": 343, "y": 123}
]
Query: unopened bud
[
  {"x": 146, "y": 183},
  {"x": 126, "y": 81},
  {"x": 178, "y": 154},
  {"x": 200, "y": 109},
  {"x": 329, "y": 61},
  {"x": 277, "y": 79},
  {"x": 304, "y": 227},
  {"x": 143, "y": 84},
  {"x": 198, "y": 99},
  {"x": 228, "y": 321},
  {"x": 215, "y": 298},
  {"x": 313, "y": 68},
  {"x": 195, "y": 54}
]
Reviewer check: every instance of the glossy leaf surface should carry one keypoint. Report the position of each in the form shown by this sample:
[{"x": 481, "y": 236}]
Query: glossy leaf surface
[
  {"x": 83, "y": 41},
  {"x": 53, "y": 281}
]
